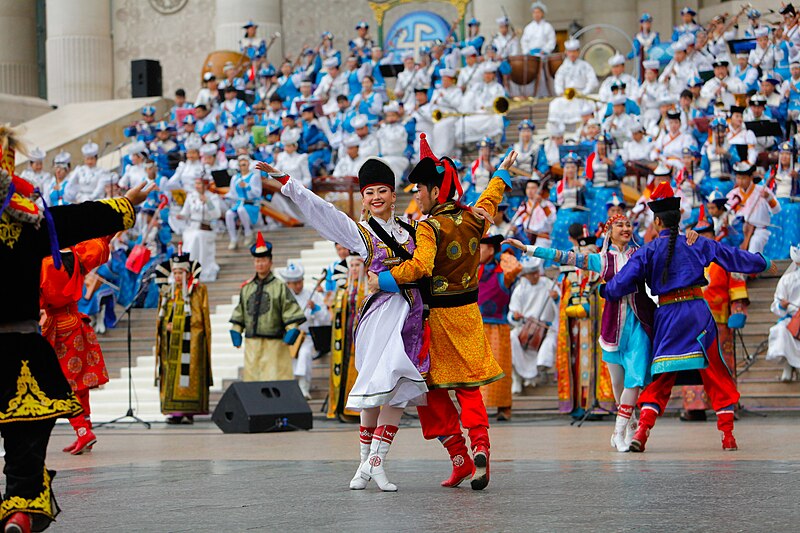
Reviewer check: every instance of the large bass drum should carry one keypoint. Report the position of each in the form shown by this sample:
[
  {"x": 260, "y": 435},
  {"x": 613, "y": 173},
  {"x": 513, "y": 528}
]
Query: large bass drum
[
  {"x": 525, "y": 69},
  {"x": 215, "y": 62}
]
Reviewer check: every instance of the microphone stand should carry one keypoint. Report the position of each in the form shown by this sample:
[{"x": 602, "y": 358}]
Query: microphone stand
[
  {"x": 596, "y": 362},
  {"x": 129, "y": 414}
]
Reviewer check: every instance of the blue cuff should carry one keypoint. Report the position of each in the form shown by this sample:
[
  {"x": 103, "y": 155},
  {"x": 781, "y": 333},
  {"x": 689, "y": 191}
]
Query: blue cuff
[
  {"x": 737, "y": 321},
  {"x": 236, "y": 338},
  {"x": 315, "y": 309},
  {"x": 387, "y": 283},
  {"x": 291, "y": 336},
  {"x": 769, "y": 262},
  {"x": 503, "y": 175}
]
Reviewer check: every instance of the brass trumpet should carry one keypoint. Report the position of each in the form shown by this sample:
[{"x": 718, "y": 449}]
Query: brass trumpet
[
  {"x": 438, "y": 114},
  {"x": 503, "y": 104},
  {"x": 570, "y": 94}
]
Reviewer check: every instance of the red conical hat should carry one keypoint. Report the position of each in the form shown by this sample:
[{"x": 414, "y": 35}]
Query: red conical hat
[
  {"x": 261, "y": 248},
  {"x": 425, "y": 149},
  {"x": 664, "y": 190}
]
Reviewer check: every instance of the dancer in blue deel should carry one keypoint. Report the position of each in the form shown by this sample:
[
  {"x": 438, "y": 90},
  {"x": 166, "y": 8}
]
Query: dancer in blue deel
[{"x": 685, "y": 334}]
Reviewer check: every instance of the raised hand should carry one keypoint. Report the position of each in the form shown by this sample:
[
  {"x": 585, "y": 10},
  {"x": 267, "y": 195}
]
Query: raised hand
[
  {"x": 509, "y": 161},
  {"x": 138, "y": 194}
]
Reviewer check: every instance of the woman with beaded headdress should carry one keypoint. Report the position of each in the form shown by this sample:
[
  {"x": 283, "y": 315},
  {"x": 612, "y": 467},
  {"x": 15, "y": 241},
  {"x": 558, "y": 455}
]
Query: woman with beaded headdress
[{"x": 183, "y": 340}]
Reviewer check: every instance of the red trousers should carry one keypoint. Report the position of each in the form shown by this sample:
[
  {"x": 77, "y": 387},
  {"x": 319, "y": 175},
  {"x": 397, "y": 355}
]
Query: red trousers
[
  {"x": 717, "y": 382},
  {"x": 82, "y": 420},
  {"x": 440, "y": 418}
]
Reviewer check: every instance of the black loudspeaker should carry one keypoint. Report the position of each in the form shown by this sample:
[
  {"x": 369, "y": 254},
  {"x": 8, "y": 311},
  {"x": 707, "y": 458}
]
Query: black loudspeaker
[
  {"x": 262, "y": 407},
  {"x": 145, "y": 78}
]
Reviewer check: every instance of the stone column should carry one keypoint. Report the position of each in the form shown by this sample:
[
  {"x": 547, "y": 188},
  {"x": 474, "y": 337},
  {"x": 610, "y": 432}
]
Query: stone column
[
  {"x": 79, "y": 67},
  {"x": 233, "y": 14},
  {"x": 18, "y": 68},
  {"x": 620, "y": 13}
]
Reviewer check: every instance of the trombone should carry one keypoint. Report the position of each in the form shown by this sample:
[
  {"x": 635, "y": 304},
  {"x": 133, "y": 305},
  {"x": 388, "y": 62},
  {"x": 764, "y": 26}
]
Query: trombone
[
  {"x": 570, "y": 94},
  {"x": 438, "y": 114},
  {"x": 503, "y": 104}
]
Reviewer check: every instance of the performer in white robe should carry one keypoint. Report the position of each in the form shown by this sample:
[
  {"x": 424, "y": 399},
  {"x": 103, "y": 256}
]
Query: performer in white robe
[
  {"x": 480, "y": 121},
  {"x": 446, "y": 99},
  {"x": 200, "y": 209},
  {"x": 532, "y": 299},
  {"x": 313, "y": 305},
  {"x": 183, "y": 180},
  {"x": 393, "y": 139},
  {"x": 783, "y": 346},
  {"x": 245, "y": 197}
]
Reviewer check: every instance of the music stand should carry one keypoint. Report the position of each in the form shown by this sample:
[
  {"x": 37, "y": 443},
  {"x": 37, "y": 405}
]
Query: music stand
[
  {"x": 742, "y": 46},
  {"x": 221, "y": 178},
  {"x": 765, "y": 128},
  {"x": 391, "y": 70}
]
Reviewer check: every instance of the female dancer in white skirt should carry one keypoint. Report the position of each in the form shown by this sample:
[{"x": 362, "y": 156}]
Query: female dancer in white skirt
[{"x": 391, "y": 355}]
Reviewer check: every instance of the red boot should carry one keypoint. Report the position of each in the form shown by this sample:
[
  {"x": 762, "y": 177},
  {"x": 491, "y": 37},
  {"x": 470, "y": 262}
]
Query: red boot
[
  {"x": 71, "y": 447},
  {"x": 647, "y": 420},
  {"x": 18, "y": 523},
  {"x": 86, "y": 439},
  {"x": 463, "y": 466},
  {"x": 725, "y": 425},
  {"x": 480, "y": 479}
]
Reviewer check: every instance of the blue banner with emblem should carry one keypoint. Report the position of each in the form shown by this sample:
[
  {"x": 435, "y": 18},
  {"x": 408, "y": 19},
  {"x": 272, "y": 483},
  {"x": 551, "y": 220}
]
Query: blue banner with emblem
[{"x": 416, "y": 30}]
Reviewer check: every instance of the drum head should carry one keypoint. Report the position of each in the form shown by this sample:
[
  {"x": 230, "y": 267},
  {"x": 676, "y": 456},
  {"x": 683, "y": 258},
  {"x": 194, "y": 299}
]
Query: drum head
[{"x": 597, "y": 55}]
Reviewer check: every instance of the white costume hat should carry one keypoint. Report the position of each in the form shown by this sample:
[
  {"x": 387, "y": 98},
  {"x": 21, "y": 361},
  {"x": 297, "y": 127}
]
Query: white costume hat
[
  {"x": 616, "y": 59},
  {"x": 292, "y": 272},
  {"x": 539, "y": 5},
  {"x": 330, "y": 62},
  {"x": 193, "y": 143},
  {"x": 531, "y": 264},
  {"x": 358, "y": 121},
  {"x": 90, "y": 149},
  {"x": 208, "y": 149},
  {"x": 37, "y": 154},
  {"x": 290, "y": 136},
  {"x": 137, "y": 147},
  {"x": 351, "y": 140},
  {"x": 572, "y": 44}
]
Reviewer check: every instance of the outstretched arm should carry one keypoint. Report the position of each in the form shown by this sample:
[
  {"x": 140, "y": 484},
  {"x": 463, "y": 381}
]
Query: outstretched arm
[
  {"x": 500, "y": 182},
  {"x": 734, "y": 259},
  {"x": 628, "y": 278},
  {"x": 593, "y": 262},
  {"x": 331, "y": 223}
]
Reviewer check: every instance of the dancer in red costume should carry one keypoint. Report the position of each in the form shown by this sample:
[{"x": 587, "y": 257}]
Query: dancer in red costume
[{"x": 69, "y": 331}]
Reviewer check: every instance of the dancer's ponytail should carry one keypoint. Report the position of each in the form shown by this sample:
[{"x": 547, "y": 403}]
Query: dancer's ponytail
[{"x": 670, "y": 220}]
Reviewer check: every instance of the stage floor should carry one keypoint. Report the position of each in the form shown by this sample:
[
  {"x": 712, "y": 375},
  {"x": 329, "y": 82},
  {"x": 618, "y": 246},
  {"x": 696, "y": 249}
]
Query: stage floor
[{"x": 546, "y": 476}]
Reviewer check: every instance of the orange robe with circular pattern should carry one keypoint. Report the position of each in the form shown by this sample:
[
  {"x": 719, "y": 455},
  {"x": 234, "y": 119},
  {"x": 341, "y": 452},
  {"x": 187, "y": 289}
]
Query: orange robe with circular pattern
[{"x": 64, "y": 327}]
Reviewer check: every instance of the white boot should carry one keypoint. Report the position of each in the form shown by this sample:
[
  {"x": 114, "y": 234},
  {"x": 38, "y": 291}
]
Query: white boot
[
  {"x": 373, "y": 467},
  {"x": 618, "y": 438},
  {"x": 99, "y": 321},
  {"x": 630, "y": 429},
  {"x": 516, "y": 383},
  {"x": 302, "y": 382},
  {"x": 365, "y": 441},
  {"x": 233, "y": 245},
  {"x": 788, "y": 370}
]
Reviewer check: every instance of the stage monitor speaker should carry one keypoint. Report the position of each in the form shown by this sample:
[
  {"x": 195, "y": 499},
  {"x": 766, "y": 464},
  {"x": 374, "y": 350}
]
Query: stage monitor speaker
[
  {"x": 262, "y": 407},
  {"x": 145, "y": 78}
]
